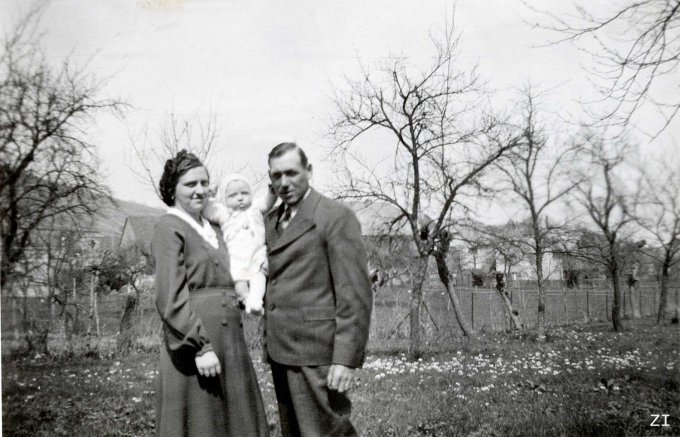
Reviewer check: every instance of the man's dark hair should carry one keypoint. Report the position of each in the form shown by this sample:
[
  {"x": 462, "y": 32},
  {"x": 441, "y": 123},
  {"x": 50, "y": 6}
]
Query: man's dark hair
[
  {"x": 173, "y": 170},
  {"x": 282, "y": 148}
]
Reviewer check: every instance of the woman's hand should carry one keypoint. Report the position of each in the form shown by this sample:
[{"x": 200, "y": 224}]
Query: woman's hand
[{"x": 208, "y": 364}]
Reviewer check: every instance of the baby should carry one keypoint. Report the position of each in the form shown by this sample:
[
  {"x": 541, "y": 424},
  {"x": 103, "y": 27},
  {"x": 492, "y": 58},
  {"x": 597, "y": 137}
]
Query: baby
[{"x": 242, "y": 227}]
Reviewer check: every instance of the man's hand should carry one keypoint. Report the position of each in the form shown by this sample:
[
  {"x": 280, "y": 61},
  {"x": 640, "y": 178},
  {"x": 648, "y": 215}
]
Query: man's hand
[
  {"x": 208, "y": 364},
  {"x": 340, "y": 377},
  {"x": 212, "y": 192}
]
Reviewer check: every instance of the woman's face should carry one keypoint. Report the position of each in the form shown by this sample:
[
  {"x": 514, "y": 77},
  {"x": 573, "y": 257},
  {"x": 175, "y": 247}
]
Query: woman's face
[{"x": 191, "y": 192}]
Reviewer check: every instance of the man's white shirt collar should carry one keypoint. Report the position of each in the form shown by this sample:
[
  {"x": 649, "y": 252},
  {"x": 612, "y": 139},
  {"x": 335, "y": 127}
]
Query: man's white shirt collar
[{"x": 294, "y": 208}]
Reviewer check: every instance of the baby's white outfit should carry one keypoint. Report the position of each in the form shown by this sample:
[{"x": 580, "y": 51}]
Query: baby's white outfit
[{"x": 243, "y": 232}]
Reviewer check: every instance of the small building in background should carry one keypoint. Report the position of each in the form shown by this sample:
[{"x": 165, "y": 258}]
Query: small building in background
[{"x": 138, "y": 229}]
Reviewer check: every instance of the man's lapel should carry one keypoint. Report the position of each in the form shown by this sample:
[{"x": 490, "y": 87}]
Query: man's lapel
[
  {"x": 298, "y": 226},
  {"x": 270, "y": 228}
]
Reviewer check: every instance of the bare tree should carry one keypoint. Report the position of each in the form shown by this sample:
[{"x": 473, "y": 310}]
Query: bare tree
[
  {"x": 604, "y": 198},
  {"x": 125, "y": 266},
  {"x": 62, "y": 272},
  {"x": 443, "y": 145},
  {"x": 659, "y": 216},
  {"x": 635, "y": 46},
  {"x": 503, "y": 242},
  {"x": 388, "y": 259},
  {"x": 48, "y": 168},
  {"x": 198, "y": 135},
  {"x": 538, "y": 177}
]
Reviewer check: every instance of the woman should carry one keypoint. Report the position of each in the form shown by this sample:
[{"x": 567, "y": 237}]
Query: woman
[{"x": 207, "y": 385}]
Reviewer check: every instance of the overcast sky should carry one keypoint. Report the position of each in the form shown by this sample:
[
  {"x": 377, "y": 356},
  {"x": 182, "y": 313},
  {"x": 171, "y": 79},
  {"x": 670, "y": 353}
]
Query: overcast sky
[{"x": 268, "y": 68}]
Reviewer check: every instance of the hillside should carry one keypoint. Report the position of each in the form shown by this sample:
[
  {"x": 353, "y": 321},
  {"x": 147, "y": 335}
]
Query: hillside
[{"x": 111, "y": 217}]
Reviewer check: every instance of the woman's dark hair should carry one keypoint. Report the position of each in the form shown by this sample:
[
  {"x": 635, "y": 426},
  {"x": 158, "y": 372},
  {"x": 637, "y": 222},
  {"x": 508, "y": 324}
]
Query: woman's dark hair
[{"x": 173, "y": 170}]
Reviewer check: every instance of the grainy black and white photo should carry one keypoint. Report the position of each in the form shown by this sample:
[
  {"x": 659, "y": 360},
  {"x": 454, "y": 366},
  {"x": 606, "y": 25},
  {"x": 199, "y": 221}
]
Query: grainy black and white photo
[{"x": 415, "y": 218}]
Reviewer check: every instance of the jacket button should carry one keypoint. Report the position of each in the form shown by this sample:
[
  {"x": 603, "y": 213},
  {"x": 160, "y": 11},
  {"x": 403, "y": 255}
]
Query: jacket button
[
  {"x": 273, "y": 281},
  {"x": 272, "y": 307},
  {"x": 225, "y": 322},
  {"x": 224, "y": 303}
]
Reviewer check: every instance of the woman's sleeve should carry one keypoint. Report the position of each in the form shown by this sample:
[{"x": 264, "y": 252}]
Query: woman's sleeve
[{"x": 183, "y": 329}]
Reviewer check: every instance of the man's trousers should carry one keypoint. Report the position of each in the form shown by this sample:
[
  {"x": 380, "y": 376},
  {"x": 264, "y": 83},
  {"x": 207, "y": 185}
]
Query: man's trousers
[{"x": 307, "y": 407}]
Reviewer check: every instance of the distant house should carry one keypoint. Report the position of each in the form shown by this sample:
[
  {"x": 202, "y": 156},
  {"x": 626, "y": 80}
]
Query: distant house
[
  {"x": 578, "y": 272},
  {"x": 138, "y": 230},
  {"x": 96, "y": 234}
]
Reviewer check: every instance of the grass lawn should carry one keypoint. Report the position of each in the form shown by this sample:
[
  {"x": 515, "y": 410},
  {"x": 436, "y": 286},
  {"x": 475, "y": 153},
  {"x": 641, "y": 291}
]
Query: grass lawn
[{"x": 586, "y": 380}]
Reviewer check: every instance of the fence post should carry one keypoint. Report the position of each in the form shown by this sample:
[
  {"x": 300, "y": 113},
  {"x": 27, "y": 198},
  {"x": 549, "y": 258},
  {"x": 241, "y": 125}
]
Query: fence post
[
  {"x": 15, "y": 319},
  {"x": 606, "y": 305},
  {"x": 639, "y": 293},
  {"x": 587, "y": 305},
  {"x": 564, "y": 304},
  {"x": 624, "y": 300},
  {"x": 472, "y": 308},
  {"x": 510, "y": 315}
]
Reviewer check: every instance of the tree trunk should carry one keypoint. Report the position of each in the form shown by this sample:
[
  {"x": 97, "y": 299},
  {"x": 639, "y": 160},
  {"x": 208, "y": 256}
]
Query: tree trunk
[
  {"x": 514, "y": 315},
  {"x": 540, "y": 315},
  {"x": 24, "y": 309},
  {"x": 96, "y": 309},
  {"x": 634, "y": 298},
  {"x": 67, "y": 330},
  {"x": 415, "y": 304},
  {"x": 91, "y": 315},
  {"x": 617, "y": 313},
  {"x": 663, "y": 296},
  {"x": 36, "y": 338},
  {"x": 126, "y": 337},
  {"x": 15, "y": 318},
  {"x": 445, "y": 278}
]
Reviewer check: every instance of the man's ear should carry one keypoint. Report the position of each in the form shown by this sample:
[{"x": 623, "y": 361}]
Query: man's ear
[{"x": 309, "y": 169}]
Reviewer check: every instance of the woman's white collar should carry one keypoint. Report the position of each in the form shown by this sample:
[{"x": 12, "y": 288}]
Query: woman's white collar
[{"x": 206, "y": 231}]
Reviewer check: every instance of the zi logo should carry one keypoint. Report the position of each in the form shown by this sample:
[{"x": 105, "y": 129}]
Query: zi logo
[{"x": 657, "y": 417}]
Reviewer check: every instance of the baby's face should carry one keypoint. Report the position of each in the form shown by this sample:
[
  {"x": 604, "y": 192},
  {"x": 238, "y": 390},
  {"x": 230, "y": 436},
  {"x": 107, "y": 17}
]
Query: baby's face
[{"x": 238, "y": 195}]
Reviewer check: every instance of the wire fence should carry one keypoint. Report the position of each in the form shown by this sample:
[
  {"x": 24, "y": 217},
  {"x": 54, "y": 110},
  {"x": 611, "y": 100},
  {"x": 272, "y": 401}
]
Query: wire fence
[
  {"x": 482, "y": 308},
  {"x": 485, "y": 311}
]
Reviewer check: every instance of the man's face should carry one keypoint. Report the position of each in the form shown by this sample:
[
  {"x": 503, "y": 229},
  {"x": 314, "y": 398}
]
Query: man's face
[{"x": 290, "y": 179}]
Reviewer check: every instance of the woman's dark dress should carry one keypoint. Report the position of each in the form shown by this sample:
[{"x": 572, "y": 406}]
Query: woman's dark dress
[{"x": 198, "y": 306}]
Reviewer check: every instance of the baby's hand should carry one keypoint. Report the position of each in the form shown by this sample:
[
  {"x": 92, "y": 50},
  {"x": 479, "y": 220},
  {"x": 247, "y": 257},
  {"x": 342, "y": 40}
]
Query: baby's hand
[
  {"x": 242, "y": 290},
  {"x": 254, "y": 306}
]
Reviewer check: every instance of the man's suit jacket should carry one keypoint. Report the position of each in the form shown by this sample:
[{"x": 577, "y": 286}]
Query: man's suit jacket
[{"x": 319, "y": 299}]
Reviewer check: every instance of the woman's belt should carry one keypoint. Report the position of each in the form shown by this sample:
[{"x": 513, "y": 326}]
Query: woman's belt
[{"x": 213, "y": 291}]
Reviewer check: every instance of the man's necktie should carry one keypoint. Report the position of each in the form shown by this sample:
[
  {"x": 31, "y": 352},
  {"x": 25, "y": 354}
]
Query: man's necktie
[{"x": 285, "y": 219}]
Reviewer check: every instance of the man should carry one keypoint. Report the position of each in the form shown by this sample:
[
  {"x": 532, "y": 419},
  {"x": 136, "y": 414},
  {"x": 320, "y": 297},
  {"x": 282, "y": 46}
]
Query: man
[{"x": 318, "y": 300}]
